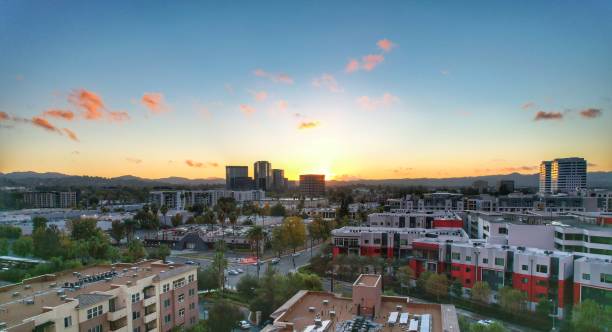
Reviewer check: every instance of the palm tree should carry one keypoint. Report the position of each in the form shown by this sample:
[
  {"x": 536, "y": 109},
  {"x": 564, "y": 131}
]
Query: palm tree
[
  {"x": 164, "y": 209},
  {"x": 256, "y": 234},
  {"x": 130, "y": 224},
  {"x": 233, "y": 218}
]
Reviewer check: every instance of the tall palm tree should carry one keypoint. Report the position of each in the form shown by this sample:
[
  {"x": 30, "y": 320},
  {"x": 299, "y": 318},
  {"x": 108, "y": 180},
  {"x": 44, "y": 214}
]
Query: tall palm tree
[
  {"x": 254, "y": 235},
  {"x": 164, "y": 210},
  {"x": 233, "y": 218}
]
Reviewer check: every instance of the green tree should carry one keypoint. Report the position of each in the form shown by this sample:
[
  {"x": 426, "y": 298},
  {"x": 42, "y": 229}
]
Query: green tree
[
  {"x": 422, "y": 281},
  {"x": 223, "y": 316},
  {"x": 208, "y": 278},
  {"x": 246, "y": 286},
  {"x": 437, "y": 285},
  {"x": 135, "y": 251},
  {"x": 161, "y": 252},
  {"x": 495, "y": 327},
  {"x": 295, "y": 231},
  {"x": 9, "y": 232},
  {"x": 233, "y": 218},
  {"x": 254, "y": 236},
  {"x": 47, "y": 242},
  {"x": 512, "y": 300},
  {"x": 278, "y": 240},
  {"x": 456, "y": 288},
  {"x": 177, "y": 220},
  {"x": 404, "y": 276},
  {"x": 278, "y": 210},
  {"x": 130, "y": 226},
  {"x": 220, "y": 264},
  {"x": 591, "y": 316},
  {"x": 38, "y": 222},
  {"x": 481, "y": 292},
  {"x": 544, "y": 308},
  {"x": 117, "y": 231},
  {"x": 4, "y": 247},
  {"x": 164, "y": 210},
  {"x": 23, "y": 246}
]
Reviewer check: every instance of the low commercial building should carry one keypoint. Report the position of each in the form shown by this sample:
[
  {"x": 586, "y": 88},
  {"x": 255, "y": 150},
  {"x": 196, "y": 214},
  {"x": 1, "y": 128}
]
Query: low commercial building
[
  {"x": 183, "y": 199},
  {"x": 415, "y": 219},
  {"x": 593, "y": 279},
  {"x": 367, "y": 310},
  {"x": 50, "y": 199},
  {"x": 148, "y": 297},
  {"x": 312, "y": 185}
]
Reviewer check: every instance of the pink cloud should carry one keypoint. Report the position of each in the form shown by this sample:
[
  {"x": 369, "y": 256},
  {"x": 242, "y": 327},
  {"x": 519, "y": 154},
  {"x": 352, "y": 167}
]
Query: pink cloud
[
  {"x": 385, "y": 45},
  {"x": 134, "y": 160},
  {"x": 192, "y": 163},
  {"x": 282, "y": 105},
  {"x": 59, "y": 114},
  {"x": 590, "y": 113},
  {"x": 246, "y": 109},
  {"x": 260, "y": 95},
  {"x": 274, "y": 77},
  {"x": 4, "y": 116},
  {"x": 308, "y": 124},
  {"x": 373, "y": 103},
  {"x": 71, "y": 134},
  {"x": 43, "y": 123},
  {"x": 528, "y": 105},
  {"x": 327, "y": 81},
  {"x": 118, "y": 116},
  {"x": 154, "y": 102},
  {"x": 89, "y": 102},
  {"x": 541, "y": 115},
  {"x": 352, "y": 66},
  {"x": 369, "y": 62}
]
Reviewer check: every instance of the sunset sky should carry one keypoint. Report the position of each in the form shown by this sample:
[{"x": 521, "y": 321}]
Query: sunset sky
[{"x": 350, "y": 89}]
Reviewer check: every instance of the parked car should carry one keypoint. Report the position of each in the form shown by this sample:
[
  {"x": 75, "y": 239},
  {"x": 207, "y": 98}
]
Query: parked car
[
  {"x": 295, "y": 254},
  {"x": 190, "y": 262},
  {"x": 245, "y": 325},
  {"x": 232, "y": 272},
  {"x": 485, "y": 322},
  {"x": 275, "y": 260},
  {"x": 240, "y": 270}
]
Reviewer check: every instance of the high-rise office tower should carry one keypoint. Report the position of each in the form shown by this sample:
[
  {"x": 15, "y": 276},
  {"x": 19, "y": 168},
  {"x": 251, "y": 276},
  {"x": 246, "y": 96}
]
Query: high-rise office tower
[
  {"x": 262, "y": 175},
  {"x": 568, "y": 174},
  {"x": 312, "y": 185},
  {"x": 237, "y": 178},
  {"x": 278, "y": 179},
  {"x": 545, "y": 168}
]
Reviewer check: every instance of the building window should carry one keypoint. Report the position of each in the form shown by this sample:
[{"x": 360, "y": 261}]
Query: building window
[
  {"x": 97, "y": 328},
  {"x": 94, "y": 312},
  {"x": 541, "y": 283},
  {"x": 376, "y": 241},
  {"x": 525, "y": 280},
  {"x": 181, "y": 298},
  {"x": 485, "y": 261},
  {"x": 192, "y": 320},
  {"x": 467, "y": 281},
  {"x": 455, "y": 268},
  {"x": 182, "y": 312},
  {"x": 191, "y": 278},
  {"x": 178, "y": 283},
  {"x": 192, "y": 305},
  {"x": 135, "y": 315},
  {"x": 468, "y": 258},
  {"x": 136, "y": 329},
  {"x": 541, "y": 268},
  {"x": 166, "y": 303},
  {"x": 456, "y": 255},
  {"x": 135, "y": 297},
  {"x": 586, "y": 276},
  {"x": 167, "y": 319},
  {"x": 68, "y": 321},
  {"x": 366, "y": 241},
  {"x": 165, "y": 288},
  {"x": 524, "y": 267},
  {"x": 468, "y": 270},
  {"x": 499, "y": 261},
  {"x": 192, "y": 292},
  {"x": 606, "y": 278}
]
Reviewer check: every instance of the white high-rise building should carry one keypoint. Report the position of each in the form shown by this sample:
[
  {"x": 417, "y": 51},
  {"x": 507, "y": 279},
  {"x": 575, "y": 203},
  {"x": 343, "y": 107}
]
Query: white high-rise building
[
  {"x": 545, "y": 167},
  {"x": 568, "y": 174}
]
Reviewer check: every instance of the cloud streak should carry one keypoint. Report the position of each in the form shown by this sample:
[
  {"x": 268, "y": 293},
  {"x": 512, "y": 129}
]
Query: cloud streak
[
  {"x": 44, "y": 124},
  {"x": 89, "y": 102},
  {"x": 260, "y": 95},
  {"x": 71, "y": 134},
  {"x": 154, "y": 102},
  {"x": 247, "y": 110},
  {"x": 328, "y": 82},
  {"x": 374, "y": 103},
  {"x": 308, "y": 124},
  {"x": 590, "y": 113},
  {"x": 541, "y": 115},
  {"x": 133, "y": 160},
  {"x": 274, "y": 77},
  {"x": 59, "y": 114},
  {"x": 385, "y": 44},
  {"x": 197, "y": 164}
]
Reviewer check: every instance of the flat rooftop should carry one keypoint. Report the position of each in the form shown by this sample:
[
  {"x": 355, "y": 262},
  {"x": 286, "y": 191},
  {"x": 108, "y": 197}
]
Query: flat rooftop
[
  {"x": 370, "y": 280},
  {"x": 43, "y": 290},
  {"x": 300, "y": 313}
]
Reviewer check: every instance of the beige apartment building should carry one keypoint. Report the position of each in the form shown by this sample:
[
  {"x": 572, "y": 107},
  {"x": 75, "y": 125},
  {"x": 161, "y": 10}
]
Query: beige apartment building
[{"x": 148, "y": 296}]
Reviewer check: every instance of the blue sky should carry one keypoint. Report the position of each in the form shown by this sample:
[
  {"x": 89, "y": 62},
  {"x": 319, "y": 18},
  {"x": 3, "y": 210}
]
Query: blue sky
[{"x": 464, "y": 82}]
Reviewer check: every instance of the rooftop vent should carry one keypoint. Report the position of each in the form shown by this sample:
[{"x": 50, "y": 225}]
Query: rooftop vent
[
  {"x": 317, "y": 322},
  {"x": 134, "y": 275},
  {"x": 171, "y": 267},
  {"x": 60, "y": 292},
  {"x": 125, "y": 270},
  {"x": 129, "y": 283},
  {"x": 53, "y": 285},
  {"x": 15, "y": 294}
]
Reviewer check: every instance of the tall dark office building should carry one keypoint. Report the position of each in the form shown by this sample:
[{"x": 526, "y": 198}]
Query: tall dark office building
[
  {"x": 278, "y": 180},
  {"x": 312, "y": 185},
  {"x": 262, "y": 175},
  {"x": 237, "y": 178}
]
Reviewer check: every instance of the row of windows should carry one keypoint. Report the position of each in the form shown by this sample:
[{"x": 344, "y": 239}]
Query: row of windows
[
  {"x": 582, "y": 237},
  {"x": 94, "y": 312},
  {"x": 539, "y": 268}
]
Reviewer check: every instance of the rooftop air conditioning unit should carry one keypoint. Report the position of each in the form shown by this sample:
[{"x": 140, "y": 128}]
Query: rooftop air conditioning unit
[{"x": 128, "y": 283}]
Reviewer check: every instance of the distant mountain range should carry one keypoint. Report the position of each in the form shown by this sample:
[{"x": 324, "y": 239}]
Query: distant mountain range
[{"x": 33, "y": 179}]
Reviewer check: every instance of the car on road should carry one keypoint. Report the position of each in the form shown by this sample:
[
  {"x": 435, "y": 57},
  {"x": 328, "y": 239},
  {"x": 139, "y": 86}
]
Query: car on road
[
  {"x": 232, "y": 272},
  {"x": 295, "y": 254},
  {"x": 169, "y": 262},
  {"x": 244, "y": 325},
  {"x": 240, "y": 270},
  {"x": 485, "y": 322},
  {"x": 190, "y": 262},
  {"x": 275, "y": 260}
]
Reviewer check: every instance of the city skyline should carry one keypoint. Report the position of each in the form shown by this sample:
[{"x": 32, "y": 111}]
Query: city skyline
[{"x": 404, "y": 90}]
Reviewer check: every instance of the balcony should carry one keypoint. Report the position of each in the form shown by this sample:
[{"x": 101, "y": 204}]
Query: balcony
[
  {"x": 149, "y": 300},
  {"x": 150, "y": 317},
  {"x": 119, "y": 329},
  {"x": 119, "y": 325},
  {"x": 117, "y": 314}
]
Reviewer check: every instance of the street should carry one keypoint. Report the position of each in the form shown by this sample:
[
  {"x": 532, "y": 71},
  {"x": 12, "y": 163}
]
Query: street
[{"x": 284, "y": 266}]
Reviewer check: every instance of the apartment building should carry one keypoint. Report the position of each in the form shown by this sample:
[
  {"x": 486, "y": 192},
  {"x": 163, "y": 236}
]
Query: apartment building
[
  {"x": 366, "y": 310},
  {"x": 50, "y": 199},
  {"x": 415, "y": 219},
  {"x": 593, "y": 279},
  {"x": 148, "y": 296},
  {"x": 387, "y": 242},
  {"x": 568, "y": 174},
  {"x": 183, "y": 199}
]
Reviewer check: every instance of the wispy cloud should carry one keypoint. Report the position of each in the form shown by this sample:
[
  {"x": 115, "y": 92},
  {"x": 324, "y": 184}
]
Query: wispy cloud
[
  {"x": 370, "y": 62},
  {"x": 89, "y": 102},
  {"x": 4, "y": 116},
  {"x": 374, "y": 103},
  {"x": 259, "y": 95},
  {"x": 592, "y": 165},
  {"x": 541, "y": 115},
  {"x": 528, "y": 105},
  {"x": 133, "y": 160},
  {"x": 71, "y": 134},
  {"x": 197, "y": 164},
  {"x": 590, "y": 113},
  {"x": 44, "y": 124},
  {"x": 308, "y": 124},
  {"x": 445, "y": 72},
  {"x": 154, "y": 102},
  {"x": 59, "y": 114},
  {"x": 282, "y": 105},
  {"x": 274, "y": 77},
  {"x": 518, "y": 169},
  {"x": 246, "y": 109},
  {"x": 229, "y": 88},
  {"x": 402, "y": 170},
  {"x": 347, "y": 177},
  {"x": 352, "y": 66},
  {"x": 328, "y": 82},
  {"x": 118, "y": 116},
  {"x": 385, "y": 45}
]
